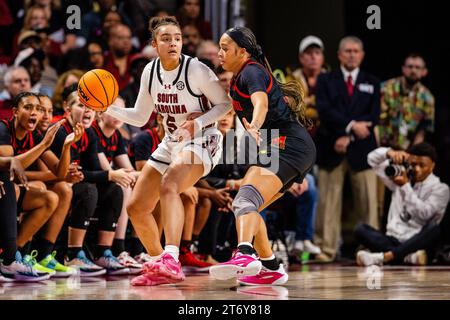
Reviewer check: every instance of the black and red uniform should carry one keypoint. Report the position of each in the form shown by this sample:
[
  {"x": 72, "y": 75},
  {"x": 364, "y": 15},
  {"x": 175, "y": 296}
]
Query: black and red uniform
[
  {"x": 95, "y": 193},
  {"x": 296, "y": 149},
  {"x": 142, "y": 145},
  {"x": 111, "y": 146},
  {"x": 8, "y": 137}
]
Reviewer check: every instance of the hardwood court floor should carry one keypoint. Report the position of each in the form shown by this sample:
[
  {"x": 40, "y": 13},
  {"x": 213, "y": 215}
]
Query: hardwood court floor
[{"x": 310, "y": 282}]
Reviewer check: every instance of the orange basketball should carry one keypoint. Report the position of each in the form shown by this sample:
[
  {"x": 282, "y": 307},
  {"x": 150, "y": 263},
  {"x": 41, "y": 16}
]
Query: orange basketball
[{"x": 98, "y": 89}]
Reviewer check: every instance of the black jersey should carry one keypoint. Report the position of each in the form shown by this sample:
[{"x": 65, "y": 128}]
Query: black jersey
[
  {"x": 252, "y": 78},
  {"x": 111, "y": 146},
  {"x": 8, "y": 137},
  {"x": 143, "y": 145},
  {"x": 84, "y": 152}
]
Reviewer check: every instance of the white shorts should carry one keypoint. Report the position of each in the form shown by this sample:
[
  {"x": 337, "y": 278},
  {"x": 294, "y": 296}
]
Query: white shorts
[{"x": 208, "y": 147}]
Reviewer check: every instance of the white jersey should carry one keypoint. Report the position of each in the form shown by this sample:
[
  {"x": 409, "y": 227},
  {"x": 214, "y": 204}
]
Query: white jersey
[
  {"x": 191, "y": 87},
  {"x": 177, "y": 93}
]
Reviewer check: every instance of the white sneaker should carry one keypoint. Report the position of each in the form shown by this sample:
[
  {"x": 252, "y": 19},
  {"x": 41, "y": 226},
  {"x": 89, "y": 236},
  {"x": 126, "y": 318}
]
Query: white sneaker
[
  {"x": 298, "y": 245},
  {"x": 311, "y": 247},
  {"x": 418, "y": 258},
  {"x": 366, "y": 258},
  {"x": 126, "y": 260},
  {"x": 143, "y": 258}
]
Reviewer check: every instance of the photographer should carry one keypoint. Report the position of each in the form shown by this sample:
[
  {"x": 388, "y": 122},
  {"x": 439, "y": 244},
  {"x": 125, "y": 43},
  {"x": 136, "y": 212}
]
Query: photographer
[{"x": 418, "y": 204}]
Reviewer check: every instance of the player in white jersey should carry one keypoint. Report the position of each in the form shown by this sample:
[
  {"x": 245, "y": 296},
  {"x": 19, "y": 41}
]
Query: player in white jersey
[{"x": 179, "y": 88}]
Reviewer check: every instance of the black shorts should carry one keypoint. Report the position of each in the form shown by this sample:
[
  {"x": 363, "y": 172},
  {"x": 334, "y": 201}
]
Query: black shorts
[{"x": 291, "y": 158}]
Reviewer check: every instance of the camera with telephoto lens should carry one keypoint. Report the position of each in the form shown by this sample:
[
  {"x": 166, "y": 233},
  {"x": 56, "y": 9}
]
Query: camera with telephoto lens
[{"x": 395, "y": 170}]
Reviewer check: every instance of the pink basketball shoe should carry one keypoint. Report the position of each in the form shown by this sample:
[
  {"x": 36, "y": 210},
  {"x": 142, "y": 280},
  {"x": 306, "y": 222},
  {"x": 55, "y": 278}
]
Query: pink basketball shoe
[
  {"x": 239, "y": 265},
  {"x": 162, "y": 271},
  {"x": 266, "y": 277}
]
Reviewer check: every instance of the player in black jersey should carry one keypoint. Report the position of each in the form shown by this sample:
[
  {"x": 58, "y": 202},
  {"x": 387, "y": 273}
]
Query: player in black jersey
[
  {"x": 97, "y": 191},
  {"x": 12, "y": 266},
  {"x": 63, "y": 189},
  {"x": 262, "y": 103},
  {"x": 18, "y": 136},
  {"x": 112, "y": 153}
]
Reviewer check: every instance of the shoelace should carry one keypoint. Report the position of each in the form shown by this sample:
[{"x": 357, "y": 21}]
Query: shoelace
[{"x": 30, "y": 259}]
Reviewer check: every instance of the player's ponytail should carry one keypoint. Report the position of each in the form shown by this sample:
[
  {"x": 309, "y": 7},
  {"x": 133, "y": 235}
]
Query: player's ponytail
[
  {"x": 293, "y": 90},
  {"x": 157, "y": 22}
]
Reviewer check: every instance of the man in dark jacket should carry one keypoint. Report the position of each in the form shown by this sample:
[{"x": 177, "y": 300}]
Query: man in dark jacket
[{"x": 348, "y": 102}]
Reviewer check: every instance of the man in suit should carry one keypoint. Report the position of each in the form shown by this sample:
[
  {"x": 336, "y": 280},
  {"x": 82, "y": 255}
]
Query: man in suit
[{"x": 348, "y": 102}]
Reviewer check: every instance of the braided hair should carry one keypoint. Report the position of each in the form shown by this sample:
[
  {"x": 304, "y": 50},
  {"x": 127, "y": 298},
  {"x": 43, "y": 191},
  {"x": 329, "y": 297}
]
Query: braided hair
[{"x": 293, "y": 90}]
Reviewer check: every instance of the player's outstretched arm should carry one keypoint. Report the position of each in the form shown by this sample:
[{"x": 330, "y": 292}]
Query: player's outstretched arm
[{"x": 139, "y": 115}]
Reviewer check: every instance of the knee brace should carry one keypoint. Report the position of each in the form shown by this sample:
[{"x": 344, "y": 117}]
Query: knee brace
[
  {"x": 110, "y": 207},
  {"x": 248, "y": 199},
  {"x": 84, "y": 202}
]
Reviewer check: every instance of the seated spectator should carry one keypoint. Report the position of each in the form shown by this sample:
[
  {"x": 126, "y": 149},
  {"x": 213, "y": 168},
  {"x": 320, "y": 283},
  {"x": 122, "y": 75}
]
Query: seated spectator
[
  {"x": 34, "y": 63},
  {"x": 208, "y": 50},
  {"x": 191, "y": 40},
  {"x": 224, "y": 78},
  {"x": 16, "y": 80},
  {"x": 93, "y": 20},
  {"x": 130, "y": 93},
  {"x": 117, "y": 59},
  {"x": 418, "y": 204},
  {"x": 190, "y": 14},
  {"x": 65, "y": 80},
  {"x": 96, "y": 57},
  {"x": 91, "y": 56},
  {"x": 58, "y": 30}
]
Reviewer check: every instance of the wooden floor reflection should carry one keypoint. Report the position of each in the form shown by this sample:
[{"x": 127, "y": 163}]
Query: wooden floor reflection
[{"x": 309, "y": 282}]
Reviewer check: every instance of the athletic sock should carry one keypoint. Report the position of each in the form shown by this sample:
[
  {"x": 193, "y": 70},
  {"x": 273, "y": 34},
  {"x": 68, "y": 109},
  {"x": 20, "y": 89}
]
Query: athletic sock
[
  {"x": 185, "y": 246},
  {"x": 118, "y": 247},
  {"x": 99, "y": 250},
  {"x": 136, "y": 246},
  {"x": 72, "y": 252},
  {"x": 270, "y": 263},
  {"x": 44, "y": 248},
  {"x": 245, "y": 248},
  {"x": 174, "y": 251},
  {"x": 25, "y": 249}
]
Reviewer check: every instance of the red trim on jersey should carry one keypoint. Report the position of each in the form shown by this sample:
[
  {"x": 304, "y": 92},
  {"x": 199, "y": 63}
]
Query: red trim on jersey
[
  {"x": 234, "y": 82},
  {"x": 83, "y": 142}
]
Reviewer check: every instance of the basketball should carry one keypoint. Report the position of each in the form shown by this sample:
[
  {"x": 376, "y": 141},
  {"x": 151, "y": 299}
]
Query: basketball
[{"x": 98, "y": 89}]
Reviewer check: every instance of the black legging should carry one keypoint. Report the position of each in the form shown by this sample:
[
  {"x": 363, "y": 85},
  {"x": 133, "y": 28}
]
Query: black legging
[
  {"x": 8, "y": 220},
  {"x": 376, "y": 241},
  {"x": 105, "y": 199}
]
